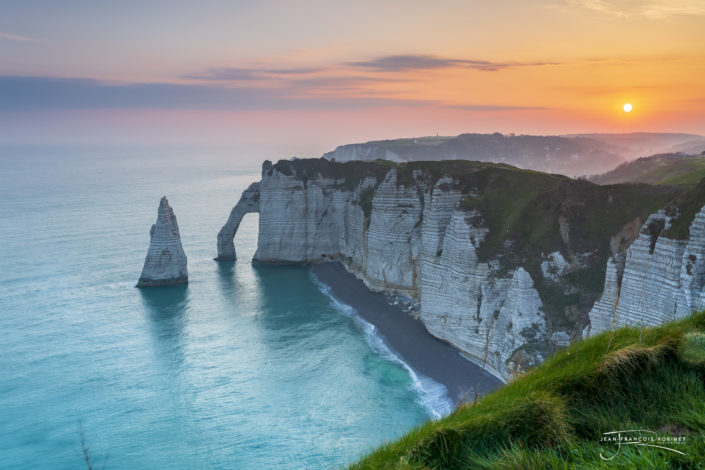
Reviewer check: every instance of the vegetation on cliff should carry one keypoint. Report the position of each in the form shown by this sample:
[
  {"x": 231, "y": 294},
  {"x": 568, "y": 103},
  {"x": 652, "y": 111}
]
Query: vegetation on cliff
[
  {"x": 683, "y": 210},
  {"x": 555, "y": 416},
  {"x": 574, "y": 155},
  {"x": 529, "y": 215},
  {"x": 665, "y": 169}
]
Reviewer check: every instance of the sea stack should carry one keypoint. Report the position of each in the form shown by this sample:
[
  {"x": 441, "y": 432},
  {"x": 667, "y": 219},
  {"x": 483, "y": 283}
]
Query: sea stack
[{"x": 165, "y": 263}]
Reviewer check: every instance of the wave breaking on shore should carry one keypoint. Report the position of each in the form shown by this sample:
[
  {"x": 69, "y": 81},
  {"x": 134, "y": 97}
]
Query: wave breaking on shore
[{"x": 432, "y": 395}]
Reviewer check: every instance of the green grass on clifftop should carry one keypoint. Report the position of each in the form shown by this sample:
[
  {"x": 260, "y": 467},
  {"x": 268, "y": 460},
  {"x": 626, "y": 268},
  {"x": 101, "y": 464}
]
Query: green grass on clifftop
[
  {"x": 528, "y": 214},
  {"x": 554, "y": 415},
  {"x": 665, "y": 169},
  {"x": 683, "y": 210}
]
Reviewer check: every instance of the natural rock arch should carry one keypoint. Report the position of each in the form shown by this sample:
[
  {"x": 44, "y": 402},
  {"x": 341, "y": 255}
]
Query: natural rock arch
[{"x": 248, "y": 203}]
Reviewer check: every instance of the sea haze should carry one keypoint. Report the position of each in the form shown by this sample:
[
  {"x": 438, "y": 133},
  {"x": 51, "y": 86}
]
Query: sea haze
[{"x": 247, "y": 367}]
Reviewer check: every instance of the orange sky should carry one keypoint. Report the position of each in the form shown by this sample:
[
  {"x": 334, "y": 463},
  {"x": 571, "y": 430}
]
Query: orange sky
[{"x": 321, "y": 73}]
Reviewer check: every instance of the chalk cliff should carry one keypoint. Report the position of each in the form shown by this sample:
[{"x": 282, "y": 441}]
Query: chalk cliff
[
  {"x": 165, "y": 263},
  {"x": 505, "y": 264},
  {"x": 661, "y": 278}
]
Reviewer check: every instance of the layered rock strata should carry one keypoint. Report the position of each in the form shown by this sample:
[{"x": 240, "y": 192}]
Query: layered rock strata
[
  {"x": 660, "y": 280},
  {"x": 165, "y": 263},
  {"x": 403, "y": 238},
  {"x": 503, "y": 264}
]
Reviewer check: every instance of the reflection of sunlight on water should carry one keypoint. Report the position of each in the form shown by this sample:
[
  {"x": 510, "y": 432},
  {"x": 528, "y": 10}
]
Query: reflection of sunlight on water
[
  {"x": 240, "y": 287},
  {"x": 252, "y": 313}
]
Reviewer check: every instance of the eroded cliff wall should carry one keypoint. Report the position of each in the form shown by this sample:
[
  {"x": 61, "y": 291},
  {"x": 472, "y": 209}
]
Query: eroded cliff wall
[
  {"x": 661, "y": 279},
  {"x": 505, "y": 264}
]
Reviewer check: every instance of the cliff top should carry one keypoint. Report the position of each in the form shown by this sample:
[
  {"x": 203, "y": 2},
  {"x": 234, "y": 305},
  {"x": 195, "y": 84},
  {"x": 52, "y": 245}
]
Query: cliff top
[
  {"x": 555, "y": 415},
  {"x": 667, "y": 168},
  {"x": 538, "y": 212},
  {"x": 529, "y": 215},
  {"x": 351, "y": 173},
  {"x": 578, "y": 154}
]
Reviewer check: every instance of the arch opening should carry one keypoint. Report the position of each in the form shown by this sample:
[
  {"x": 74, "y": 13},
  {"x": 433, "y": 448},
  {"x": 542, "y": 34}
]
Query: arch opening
[{"x": 248, "y": 203}]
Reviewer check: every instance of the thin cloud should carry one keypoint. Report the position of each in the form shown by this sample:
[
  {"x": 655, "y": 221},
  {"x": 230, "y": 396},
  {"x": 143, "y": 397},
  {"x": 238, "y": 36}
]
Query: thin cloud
[
  {"x": 226, "y": 74},
  {"x": 394, "y": 63},
  {"x": 16, "y": 38},
  {"x": 607, "y": 89},
  {"x": 47, "y": 93},
  {"x": 297, "y": 81},
  {"x": 292, "y": 71},
  {"x": 243, "y": 74},
  {"x": 399, "y": 63},
  {"x": 494, "y": 107},
  {"x": 652, "y": 9},
  {"x": 341, "y": 81}
]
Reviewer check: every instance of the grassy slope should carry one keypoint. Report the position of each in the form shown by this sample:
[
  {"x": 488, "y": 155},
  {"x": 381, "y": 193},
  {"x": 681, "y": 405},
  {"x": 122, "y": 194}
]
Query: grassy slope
[
  {"x": 549, "y": 153},
  {"x": 688, "y": 172},
  {"x": 666, "y": 169},
  {"x": 683, "y": 209},
  {"x": 554, "y": 415}
]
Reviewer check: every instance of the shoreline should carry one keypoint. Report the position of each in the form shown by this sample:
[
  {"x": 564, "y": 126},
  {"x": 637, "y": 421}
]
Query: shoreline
[{"x": 407, "y": 337}]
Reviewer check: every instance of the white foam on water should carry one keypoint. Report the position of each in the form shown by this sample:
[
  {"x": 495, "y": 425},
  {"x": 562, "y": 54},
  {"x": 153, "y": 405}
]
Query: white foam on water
[{"x": 433, "y": 396}]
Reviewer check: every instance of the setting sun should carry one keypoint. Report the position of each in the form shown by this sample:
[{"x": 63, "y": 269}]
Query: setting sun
[{"x": 627, "y": 107}]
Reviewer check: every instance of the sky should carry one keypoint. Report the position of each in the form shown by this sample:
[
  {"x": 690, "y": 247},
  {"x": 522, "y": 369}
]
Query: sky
[{"x": 301, "y": 77}]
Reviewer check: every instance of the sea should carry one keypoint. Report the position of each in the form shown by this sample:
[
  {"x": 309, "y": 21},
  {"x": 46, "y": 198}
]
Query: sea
[{"x": 245, "y": 368}]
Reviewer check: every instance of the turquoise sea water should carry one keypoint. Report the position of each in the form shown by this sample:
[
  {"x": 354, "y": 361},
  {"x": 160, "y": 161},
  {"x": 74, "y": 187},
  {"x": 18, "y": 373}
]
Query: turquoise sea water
[{"x": 246, "y": 368}]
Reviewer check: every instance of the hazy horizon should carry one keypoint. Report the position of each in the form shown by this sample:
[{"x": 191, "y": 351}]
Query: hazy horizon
[
  {"x": 248, "y": 157},
  {"x": 282, "y": 79}
]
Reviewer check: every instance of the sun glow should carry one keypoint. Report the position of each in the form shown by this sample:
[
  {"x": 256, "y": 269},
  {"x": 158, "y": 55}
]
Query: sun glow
[{"x": 627, "y": 107}]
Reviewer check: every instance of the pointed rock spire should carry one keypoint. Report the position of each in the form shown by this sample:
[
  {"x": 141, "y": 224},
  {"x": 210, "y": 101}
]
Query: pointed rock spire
[{"x": 165, "y": 263}]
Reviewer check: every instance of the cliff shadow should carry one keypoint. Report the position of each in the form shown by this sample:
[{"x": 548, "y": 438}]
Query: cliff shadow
[
  {"x": 289, "y": 300},
  {"x": 165, "y": 302},
  {"x": 226, "y": 276},
  {"x": 165, "y": 308}
]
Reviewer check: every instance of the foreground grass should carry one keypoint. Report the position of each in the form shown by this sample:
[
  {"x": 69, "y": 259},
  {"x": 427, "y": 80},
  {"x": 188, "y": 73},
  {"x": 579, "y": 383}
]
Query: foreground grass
[{"x": 555, "y": 415}]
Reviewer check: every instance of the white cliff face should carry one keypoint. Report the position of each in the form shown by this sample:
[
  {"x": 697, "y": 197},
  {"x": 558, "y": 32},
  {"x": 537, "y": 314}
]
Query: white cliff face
[
  {"x": 602, "y": 315},
  {"x": 393, "y": 237},
  {"x": 662, "y": 279},
  {"x": 409, "y": 239},
  {"x": 692, "y": 278},
  {"x": 300, "y": 221},
  {"x": 420, "y": 235},
  {"x": 346, "y": 153},
  {"x": 555, "y": 266},
  {"x": 165, "y": 263},
  {"x": 486, "y": 317}
]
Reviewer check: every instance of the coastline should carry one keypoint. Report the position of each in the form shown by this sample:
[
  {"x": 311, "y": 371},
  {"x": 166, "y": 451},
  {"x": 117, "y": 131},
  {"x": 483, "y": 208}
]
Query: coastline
[{"x": 406, "y": 337}]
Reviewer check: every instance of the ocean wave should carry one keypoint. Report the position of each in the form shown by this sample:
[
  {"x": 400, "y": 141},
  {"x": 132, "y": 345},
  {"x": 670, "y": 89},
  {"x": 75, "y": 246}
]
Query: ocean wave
[{"x": 433, "y": 396}]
